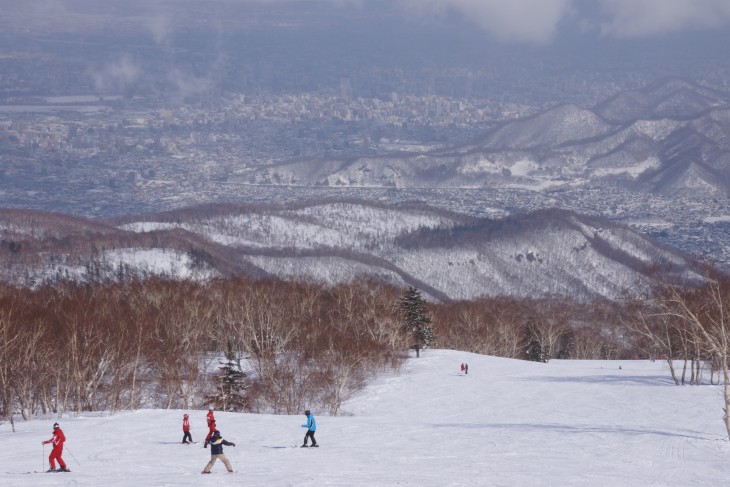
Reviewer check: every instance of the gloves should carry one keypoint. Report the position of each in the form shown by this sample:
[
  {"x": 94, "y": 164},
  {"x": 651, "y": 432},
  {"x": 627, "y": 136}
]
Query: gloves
[{"x": 233, "y": 444}]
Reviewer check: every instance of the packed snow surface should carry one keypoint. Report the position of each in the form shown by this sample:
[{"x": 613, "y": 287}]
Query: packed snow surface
[{"x": 506, "y": 423}]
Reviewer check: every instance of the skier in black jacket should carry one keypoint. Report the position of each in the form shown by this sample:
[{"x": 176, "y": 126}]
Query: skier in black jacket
[{"x": 216, "y": 452}]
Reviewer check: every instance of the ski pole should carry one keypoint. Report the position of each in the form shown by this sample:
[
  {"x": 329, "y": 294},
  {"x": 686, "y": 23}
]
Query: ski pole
[
  {"x": 43, "y": 458},
  {"x": 72, "y": 456}
]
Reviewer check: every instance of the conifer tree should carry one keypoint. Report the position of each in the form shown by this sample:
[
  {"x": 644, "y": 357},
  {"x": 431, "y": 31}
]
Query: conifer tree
[
  {"x": 533, "y": 346},
  {"x": 230, "y": 385},
  {"x": 416, "y": 320}
]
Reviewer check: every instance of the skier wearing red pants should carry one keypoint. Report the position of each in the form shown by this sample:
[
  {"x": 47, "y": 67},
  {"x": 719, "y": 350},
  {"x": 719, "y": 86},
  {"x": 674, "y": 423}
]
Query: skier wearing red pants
[
  {"x": 211, "y": 427},
  {"x": 57, "y": 441}
]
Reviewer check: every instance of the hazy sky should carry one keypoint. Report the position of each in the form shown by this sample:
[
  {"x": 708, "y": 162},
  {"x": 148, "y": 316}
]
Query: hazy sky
[
  {"x": 538, "y": 21},
  {"x": 191, "y": 44},
  {"x": 512, "y": 21}
]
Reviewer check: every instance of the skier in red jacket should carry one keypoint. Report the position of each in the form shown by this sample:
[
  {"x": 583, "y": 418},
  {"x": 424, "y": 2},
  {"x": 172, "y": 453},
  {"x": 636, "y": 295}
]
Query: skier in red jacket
[
  {"x": 186, "y": 430},
  {"x": 211, "y": 427},
  {"x": 57, "y": 440}
]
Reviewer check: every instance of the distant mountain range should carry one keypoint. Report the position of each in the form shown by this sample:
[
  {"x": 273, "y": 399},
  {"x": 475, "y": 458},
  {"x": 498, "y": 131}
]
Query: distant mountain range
[
  {"x": 664, "y": 145},
  {"x": 671, "y": 137},
  {"x": 447, "y": 255}
]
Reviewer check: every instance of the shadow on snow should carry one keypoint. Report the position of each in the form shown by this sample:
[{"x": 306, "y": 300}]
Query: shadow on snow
[{"x": 576, "y": 429}]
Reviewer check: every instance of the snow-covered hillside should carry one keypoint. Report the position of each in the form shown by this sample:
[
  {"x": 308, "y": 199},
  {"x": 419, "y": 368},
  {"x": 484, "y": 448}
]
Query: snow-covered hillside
[
  {"x": 547, "y": 253},
  {"x": 447, "y": 255},
  {"x": 506, "y": 423},
  {"x": 635, "y": 139}
]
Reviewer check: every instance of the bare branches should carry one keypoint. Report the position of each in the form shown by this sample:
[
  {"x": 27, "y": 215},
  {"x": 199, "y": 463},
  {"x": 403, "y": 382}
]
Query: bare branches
[{"x": 689, "y": 324}]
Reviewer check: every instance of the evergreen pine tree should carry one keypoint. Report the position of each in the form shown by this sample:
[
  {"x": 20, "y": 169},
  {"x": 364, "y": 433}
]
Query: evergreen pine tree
[
  {"x": 567, "y": 345},
  {"x": 417, "y": 322},
  {"x": 230, "y": 385},
  {"x": 533, "y": 346}
]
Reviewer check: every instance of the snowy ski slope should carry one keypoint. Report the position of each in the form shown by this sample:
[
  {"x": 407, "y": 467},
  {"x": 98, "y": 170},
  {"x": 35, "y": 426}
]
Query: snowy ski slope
[{"x": 507, "y": 423}]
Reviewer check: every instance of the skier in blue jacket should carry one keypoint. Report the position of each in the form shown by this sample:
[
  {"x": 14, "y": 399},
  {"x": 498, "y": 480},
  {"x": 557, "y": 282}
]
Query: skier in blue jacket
[{"x": 311, "y": 428}]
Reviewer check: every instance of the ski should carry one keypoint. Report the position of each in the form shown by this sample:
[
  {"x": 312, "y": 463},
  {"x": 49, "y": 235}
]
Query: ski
[{"x": 37, "y": 471}]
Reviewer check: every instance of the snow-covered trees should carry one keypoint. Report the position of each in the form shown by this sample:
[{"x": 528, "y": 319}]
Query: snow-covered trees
[{"x": 416, "y": 319}]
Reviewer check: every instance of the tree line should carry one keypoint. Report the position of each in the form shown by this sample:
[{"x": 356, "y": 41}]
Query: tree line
[
  {"x": 112, "y": 346},
  {"x": 162, "y": 343},
  {"x": 265, "y": 345}
]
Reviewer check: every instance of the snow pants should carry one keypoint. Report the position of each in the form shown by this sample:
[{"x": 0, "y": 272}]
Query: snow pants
[
  {"x": 188, "y": 436},
  {"x": 207, "y": 438},
  {"x": 223, "y": 459},
  {"x": 56, "y": 455},
  {"x": 310, "y": 434}
]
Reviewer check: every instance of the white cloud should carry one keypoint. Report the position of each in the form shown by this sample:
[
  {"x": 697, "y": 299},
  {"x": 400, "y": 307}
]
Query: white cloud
[
  {"x": 116, "y": 75},
  {"x": 532, "y": 21},
  {"x": 644, "y": 18},
  {"x": 185, "y": 84},
  {"x": 160, "y": 26}
]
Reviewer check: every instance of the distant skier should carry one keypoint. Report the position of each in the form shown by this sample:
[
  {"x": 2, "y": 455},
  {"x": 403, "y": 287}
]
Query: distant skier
[
  {"x": 210, "y": 417},
  {"x": 186, "y": 430},
  {"x": 311, "y": 428},
  {"x": 216, "y": 452},
  {"x": 466, "y": 369},
  {"x": 462, "y": 367},
  {"x": 57, "y": 441}
]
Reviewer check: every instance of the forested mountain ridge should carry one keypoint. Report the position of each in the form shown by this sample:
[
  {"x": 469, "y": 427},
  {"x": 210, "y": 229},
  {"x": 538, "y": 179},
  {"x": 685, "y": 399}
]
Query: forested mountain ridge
[{"x": 448, "y": 255}]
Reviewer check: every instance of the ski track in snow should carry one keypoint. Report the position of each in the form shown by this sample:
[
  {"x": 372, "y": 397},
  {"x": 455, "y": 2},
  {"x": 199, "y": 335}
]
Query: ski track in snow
[{"x": 507, "y": 423}]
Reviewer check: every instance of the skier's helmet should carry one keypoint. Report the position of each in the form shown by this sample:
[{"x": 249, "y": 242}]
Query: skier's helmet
[
  {"x": 185, "y": 415},
  {"x": 307, "y": 413},
  {"x": 217, "y": 433},
  {"x": 55, "y": 425}
]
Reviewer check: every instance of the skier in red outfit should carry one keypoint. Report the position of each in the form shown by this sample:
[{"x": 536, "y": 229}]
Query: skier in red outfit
[
  {"x": 211, "y": 427},
  {"x": 57, "y": 440},
  {"x": 186, "y": 430}
]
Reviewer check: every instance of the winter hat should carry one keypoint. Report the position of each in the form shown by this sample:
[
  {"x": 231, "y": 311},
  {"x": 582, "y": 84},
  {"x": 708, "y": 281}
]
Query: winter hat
[
  {"x": 55, "y": 425},
  {"x": 217, "y": 433},
  {"x": 307, "y": 412},
  {"x": 185, "y": 415}
]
